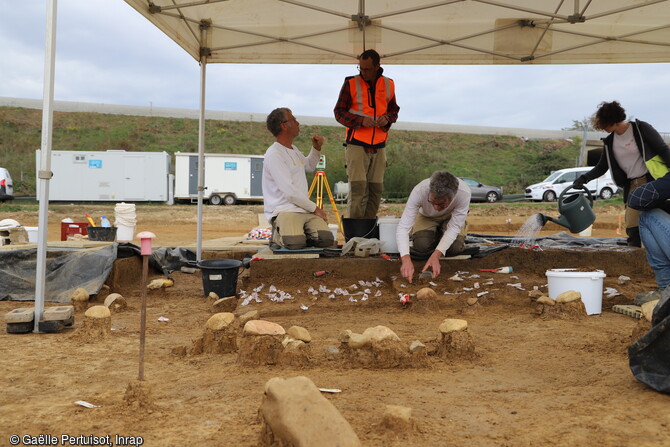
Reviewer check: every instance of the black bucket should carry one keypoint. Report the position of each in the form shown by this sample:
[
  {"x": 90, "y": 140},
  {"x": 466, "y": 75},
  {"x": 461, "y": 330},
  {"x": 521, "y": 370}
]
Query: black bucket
[
  {"x": 103, "y": 234},
  {"x": 366, "y": 228},
  {"x": 220, "y": 276}
]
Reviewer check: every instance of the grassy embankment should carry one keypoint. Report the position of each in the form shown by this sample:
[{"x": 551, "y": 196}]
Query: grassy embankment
[{"x": 412, "y": 155}]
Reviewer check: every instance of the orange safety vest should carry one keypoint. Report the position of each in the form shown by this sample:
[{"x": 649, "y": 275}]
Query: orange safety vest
[{"x": 363, "y": 105}]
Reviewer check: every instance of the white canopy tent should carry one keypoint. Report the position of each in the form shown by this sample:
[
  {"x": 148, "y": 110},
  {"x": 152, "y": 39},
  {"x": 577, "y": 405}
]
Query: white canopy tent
[{"x": 414, "y": 32}]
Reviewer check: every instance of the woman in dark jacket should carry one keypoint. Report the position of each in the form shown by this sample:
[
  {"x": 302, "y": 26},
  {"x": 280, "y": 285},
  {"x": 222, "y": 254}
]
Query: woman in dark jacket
[{"x": 634, "y": 152}]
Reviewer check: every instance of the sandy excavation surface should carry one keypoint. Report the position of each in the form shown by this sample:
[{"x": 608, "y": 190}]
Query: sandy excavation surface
[{"x": 535, "y": 379}]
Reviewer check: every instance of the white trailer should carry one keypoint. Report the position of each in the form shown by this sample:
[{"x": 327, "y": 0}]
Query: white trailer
[
  {"x": 113, "y": 175},
  {"x": 228, "y": 177}
]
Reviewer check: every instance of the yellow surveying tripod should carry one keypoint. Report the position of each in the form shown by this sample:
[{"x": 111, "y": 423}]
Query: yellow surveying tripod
[{"x": 320, "y": 182}]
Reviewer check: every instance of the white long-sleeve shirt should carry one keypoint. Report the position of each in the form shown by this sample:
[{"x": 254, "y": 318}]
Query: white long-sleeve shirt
[
  {"x": 418, "y": 204},
  {"x": 284, "y": 181}
]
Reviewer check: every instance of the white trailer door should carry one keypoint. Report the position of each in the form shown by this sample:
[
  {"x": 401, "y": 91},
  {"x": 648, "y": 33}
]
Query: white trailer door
[
  {"x": 256, "y": 177},
  {"x": 133, "y": 182}
]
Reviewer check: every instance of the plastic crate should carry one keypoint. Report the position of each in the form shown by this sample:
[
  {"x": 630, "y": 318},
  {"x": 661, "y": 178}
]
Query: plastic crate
[{"x": 71, "y": 228}]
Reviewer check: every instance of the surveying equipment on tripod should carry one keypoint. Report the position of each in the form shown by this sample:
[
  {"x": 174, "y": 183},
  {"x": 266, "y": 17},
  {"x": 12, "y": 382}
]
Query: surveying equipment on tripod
[{"x": 320, "y": 182}]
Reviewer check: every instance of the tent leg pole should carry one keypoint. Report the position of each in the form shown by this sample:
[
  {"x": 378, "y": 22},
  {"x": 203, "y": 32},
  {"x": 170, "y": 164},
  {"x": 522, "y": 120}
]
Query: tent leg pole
[
  {"x": 44, "y": 173},
  {"x": 201, "y": 155}
]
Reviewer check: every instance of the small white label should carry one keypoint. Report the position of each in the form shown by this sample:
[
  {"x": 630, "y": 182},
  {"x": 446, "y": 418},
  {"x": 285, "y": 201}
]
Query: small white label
[{"x": 215, "y": 277}]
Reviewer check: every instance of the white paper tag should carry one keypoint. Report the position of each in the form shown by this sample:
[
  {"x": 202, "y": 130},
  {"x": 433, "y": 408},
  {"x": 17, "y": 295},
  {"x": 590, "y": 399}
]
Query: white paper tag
[
  {"x": 330, "y": 390},
  {"x": 86, "y": 404}
]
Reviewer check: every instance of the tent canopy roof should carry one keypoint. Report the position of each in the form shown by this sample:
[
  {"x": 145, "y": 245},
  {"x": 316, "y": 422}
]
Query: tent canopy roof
[{"x": 416, "y": 32}]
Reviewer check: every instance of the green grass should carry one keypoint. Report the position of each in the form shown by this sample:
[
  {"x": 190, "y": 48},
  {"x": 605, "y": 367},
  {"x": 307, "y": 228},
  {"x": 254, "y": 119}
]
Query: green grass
[{"x": 412, "y": 156}]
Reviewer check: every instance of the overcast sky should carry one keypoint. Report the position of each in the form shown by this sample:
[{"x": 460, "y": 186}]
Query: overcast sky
[{"x": 108, "y": 53}]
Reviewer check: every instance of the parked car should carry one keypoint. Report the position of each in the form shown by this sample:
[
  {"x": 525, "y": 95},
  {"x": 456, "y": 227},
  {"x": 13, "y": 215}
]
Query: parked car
[
  {"x": 481, "y": 192},
  {"x": 550, "y": 188},
  {"x": 6, "y": 188}
]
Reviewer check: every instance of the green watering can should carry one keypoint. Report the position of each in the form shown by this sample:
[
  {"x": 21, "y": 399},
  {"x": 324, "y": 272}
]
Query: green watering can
[{"x": 576, "y": 211}]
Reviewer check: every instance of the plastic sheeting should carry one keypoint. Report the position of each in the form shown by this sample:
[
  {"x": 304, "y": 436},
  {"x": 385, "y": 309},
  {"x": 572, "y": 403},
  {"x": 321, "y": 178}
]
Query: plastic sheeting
[
  {"x": 66, "y": 271},
  {"x": 164, "y": 260},
  {"x": 71, "y": 268},
  {"x": 649, "y": 356},
  {"x": 562, "y": 240}
]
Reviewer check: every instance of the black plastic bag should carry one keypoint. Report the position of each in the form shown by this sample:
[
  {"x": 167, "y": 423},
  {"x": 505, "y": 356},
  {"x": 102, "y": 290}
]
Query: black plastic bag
[{"x": 649, "y": 357}]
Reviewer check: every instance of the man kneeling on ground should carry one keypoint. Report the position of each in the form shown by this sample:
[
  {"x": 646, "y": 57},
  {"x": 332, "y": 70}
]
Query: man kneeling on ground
[
  {"x": 435, "y": 216},
  {"x": 296, "y": 221}
]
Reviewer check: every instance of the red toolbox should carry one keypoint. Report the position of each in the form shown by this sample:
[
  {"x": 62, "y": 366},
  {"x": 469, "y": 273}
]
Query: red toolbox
[{"x": 70, "y": 228}]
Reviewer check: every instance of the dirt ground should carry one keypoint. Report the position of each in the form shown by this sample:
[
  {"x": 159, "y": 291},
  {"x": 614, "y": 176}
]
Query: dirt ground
[{"x": 554, "y": 378}]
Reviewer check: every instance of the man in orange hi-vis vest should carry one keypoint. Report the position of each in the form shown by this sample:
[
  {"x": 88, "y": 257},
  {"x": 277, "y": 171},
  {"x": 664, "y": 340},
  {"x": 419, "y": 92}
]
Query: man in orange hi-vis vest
[{"x": 367, "y": 108}]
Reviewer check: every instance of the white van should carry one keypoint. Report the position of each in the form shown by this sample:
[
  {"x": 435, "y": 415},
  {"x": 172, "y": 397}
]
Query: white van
[
  {"x": 550, "y": 188},
  {"x": 6, "y": 188}
]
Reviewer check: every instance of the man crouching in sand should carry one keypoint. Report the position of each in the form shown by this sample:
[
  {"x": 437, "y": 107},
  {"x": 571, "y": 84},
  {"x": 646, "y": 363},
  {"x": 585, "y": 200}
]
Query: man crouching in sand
[
  {"x": 435, "y": 215},
  {"x": 296, "y": 221}
]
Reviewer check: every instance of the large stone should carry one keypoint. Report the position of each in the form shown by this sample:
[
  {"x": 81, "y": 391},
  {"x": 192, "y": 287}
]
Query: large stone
[
  {"x": 295, "y": 413},
  {"x": 160, "y": 283},
  {"x": 97, "y": 324},
  {"x": 248, "y": 316},
  {"x": 568, "y": 297},
  {"x": 220, "y": 336},
  {"x": 379, "y": 333},
  {"x": 98, "y": 312},
  {"x": 357, "y": 341},
  {"x": 299, "y": 333},
  {"x": 220, "y": 321},
  {"x": 546, "y": 300},
  {"x": 453, "y": 325},
  {"x": 416, "y": 346},
  {"x": 262, "y": 327},
  {"x": 648, "y": 309},
  {"x": 345, "y": 336},
  {"x": 115, "y": 302},
  {"x": 426, "y": 293},
  {"x": 79, "y": 299}
]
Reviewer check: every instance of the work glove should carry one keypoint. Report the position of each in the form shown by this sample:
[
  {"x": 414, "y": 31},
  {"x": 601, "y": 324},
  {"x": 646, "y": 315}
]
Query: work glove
[{"x": 579, "y": 183}]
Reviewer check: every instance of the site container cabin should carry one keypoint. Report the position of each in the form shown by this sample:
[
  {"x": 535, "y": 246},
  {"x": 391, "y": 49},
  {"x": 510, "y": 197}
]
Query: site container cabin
[
  {"x": 228, "y": 178},
  {"x": 112, "y": 175}
]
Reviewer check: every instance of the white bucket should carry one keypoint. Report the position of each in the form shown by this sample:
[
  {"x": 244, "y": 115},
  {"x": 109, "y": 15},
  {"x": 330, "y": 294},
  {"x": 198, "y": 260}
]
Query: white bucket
[
  {"x": 586, "y": 232},
  {"x": 589, "y": 284},
  {"x": 32, "y": 234},
  {"x": 125, "y": 220},
  {"x": 125, "y": 232},
  {"x": 387, "y": 230},
  {"x": 333, "y": 228}
]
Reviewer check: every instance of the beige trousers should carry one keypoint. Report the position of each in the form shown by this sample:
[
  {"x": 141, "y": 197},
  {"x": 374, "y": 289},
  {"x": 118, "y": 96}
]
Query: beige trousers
[
  {"x": 427, "y": 232},
  {"x": 366, "y": 181},
  {"x": 299, "y": 230}
]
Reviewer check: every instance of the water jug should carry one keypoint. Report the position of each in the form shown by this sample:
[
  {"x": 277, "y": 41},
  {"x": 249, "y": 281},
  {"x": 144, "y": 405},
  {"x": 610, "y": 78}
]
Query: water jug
[{"x": 576, "y": 212}]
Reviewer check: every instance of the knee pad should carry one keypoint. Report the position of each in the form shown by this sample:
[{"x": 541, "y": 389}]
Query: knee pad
[
  {"x": 294, "y": 242},
  {"x": 424, "y": 241},
  {"x": 457, "y": 246},
  {"x": 325, "y": 239}
]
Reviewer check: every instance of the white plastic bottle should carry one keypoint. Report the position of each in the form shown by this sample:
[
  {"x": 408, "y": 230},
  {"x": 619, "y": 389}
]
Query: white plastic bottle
[{"x": 104, "y": 222}]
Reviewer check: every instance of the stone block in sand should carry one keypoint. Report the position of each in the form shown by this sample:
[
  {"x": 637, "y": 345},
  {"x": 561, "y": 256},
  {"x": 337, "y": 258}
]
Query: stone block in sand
[
  {"x": 295, "y": 413},
  {"x": 377, "y": 347},
  {"x": 454, "y": 341},
  {"x": 261, "y": 343},
  {"x": 97, "y": 324},
  {"x": 115, "y": 302},
  {"x": 79, "y": 299},
  {"x": 219, "y": 337}
]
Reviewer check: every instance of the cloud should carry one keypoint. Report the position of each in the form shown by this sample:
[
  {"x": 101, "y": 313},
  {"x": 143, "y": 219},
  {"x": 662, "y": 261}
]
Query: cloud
[{"x": 108, "y": 53}]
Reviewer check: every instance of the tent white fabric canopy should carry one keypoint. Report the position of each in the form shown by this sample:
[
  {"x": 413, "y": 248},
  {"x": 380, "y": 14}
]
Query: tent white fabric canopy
[
  {"x": 402, "y": 31},
  {"x": 416, "y": 31}
]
